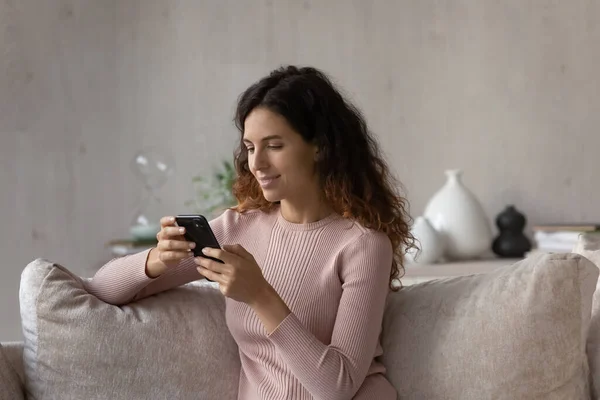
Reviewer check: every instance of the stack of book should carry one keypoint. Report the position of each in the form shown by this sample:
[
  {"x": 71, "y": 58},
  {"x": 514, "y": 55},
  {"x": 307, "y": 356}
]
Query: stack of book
[{"x": 560, "y": 238}]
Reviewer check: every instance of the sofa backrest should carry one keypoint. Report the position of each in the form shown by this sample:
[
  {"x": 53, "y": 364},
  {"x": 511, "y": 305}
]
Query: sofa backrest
[
  {"x": 472, "y": 337},
  {"x": 589, "y": 246}
]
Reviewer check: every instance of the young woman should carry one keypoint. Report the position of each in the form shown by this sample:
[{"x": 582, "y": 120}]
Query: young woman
[{"x": 309, "y": 253}]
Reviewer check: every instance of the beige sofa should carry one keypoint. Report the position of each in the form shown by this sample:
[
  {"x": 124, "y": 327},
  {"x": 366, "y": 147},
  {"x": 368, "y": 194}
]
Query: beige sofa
[{"x": 518, "y": 332}]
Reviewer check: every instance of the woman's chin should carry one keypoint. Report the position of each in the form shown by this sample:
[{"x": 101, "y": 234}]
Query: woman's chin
[{"x": 271, "y": 196}]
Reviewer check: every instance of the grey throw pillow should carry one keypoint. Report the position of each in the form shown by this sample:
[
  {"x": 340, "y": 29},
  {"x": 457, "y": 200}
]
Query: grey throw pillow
[
  {"x": 10, "y": 382},
  {"x": 518, "y": 332},
  {"x": 173, "y": 345}
]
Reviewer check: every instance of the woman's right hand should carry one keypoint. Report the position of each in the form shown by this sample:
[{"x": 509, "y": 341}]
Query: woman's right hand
[{"x": 172, "y": 247}]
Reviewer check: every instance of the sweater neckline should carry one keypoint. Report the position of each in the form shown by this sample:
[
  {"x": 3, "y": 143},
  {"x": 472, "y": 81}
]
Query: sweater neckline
[{"x": 284, "y": 223}]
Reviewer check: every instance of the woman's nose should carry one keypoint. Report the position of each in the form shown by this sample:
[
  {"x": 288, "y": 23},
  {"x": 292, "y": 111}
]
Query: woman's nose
[{"x": 259, "y": 160}]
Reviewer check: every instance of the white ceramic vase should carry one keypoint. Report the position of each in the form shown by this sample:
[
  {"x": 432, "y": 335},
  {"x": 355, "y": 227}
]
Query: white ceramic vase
[
  {"x": 458, "y": 216},
  {"x": 429, "y": 241}
]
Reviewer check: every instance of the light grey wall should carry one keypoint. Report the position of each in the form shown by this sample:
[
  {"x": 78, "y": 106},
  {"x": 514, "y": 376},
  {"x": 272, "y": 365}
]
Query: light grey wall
[
  {"x": 61, "y": 178},
  {"x": 507, "y": 91}
]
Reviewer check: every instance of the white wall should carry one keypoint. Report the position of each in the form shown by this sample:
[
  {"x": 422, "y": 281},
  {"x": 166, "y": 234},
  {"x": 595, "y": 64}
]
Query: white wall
[{"x": 508, "y": 92}]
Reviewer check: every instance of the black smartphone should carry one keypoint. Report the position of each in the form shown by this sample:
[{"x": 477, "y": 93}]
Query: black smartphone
[{"x": 198, "y": 230}]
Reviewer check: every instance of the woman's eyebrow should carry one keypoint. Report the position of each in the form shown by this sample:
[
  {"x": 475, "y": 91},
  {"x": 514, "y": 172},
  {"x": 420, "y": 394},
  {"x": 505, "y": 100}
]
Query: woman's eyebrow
[{"x": 270, "y": 137}]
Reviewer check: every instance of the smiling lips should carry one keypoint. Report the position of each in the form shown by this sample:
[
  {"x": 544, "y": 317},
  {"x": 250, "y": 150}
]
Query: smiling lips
[{"x": 267, "y": 181}]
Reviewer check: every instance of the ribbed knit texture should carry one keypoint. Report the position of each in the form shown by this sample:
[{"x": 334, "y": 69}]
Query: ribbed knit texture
[{"x": 333, "y": 274}]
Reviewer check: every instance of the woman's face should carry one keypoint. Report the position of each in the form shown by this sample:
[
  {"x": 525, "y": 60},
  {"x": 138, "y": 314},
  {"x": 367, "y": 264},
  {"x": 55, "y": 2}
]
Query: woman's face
[{"x": 282, "y": 162}]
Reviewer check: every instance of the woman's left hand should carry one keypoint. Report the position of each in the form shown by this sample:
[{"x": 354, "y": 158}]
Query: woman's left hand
[{"x": 239, "y": 277}]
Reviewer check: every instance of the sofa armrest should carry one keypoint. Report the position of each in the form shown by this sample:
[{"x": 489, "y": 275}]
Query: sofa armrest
[
  {"x": 14, "y": 354},
  {"x": 11, "y": 371}
]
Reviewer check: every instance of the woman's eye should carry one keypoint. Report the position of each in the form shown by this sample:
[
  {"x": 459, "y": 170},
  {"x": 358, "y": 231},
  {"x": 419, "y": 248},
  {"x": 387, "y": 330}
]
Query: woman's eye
[
  {"x": 274, "y": 146},
  {"x": 250, "y": 149}
]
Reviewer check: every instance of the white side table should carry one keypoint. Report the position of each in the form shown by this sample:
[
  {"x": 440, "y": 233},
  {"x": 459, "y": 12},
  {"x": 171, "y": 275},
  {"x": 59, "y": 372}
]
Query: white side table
[{"x": 417, "y": 273}]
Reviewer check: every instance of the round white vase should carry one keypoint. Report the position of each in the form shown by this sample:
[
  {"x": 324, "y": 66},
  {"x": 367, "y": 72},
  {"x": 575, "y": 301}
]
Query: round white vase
[
  {"x": 429, "y": 241},
  {"x": 458, "y": 216}
]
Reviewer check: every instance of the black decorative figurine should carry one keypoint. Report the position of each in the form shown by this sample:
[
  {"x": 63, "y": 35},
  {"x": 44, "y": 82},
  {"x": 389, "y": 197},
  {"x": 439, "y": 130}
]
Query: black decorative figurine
[{"x": 511, "y": 242}]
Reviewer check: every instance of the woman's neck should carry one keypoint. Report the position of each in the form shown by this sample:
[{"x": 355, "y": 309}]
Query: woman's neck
[{"x": 306, "y": 212}]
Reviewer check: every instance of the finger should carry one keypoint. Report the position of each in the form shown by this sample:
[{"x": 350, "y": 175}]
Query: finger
[
  {"x": 220, "y": 254},
  {"x": 167, "y": 221},
  {"x": 212, "y": 265},
  {"x": 207, "y": 273},
  {"x": 175, "y": 245},
  {"x": 238, "y": 250},
  {"x": 167, "y": 256},
  {"x": 172, "y": 231},
  {"x": 164, "y": 233}
]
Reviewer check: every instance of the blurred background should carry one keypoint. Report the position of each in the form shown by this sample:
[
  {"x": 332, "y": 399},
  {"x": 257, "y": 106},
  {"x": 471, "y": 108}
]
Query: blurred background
[{"x": 507, "y": 91}]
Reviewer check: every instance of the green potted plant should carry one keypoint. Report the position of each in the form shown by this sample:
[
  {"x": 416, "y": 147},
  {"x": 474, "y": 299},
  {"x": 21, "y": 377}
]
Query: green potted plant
[{"x": 213, "y": 194}]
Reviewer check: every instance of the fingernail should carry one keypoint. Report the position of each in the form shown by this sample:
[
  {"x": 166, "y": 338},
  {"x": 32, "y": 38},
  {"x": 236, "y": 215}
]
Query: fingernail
[
  {"x": 192, "y": 245},
  {"x": 205, "y": 250},
  {"x": 172, "y": 219},
  {"x": 181, "y": 230}
]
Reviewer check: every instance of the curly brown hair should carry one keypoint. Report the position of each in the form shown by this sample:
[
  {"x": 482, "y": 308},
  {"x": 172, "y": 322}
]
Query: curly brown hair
[{"x": 353, "y": 174}]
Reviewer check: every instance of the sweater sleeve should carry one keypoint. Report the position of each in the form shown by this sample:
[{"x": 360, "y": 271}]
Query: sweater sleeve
[
  {"x": 337, "y": 370},
  {"x": 123, "y": 280}
]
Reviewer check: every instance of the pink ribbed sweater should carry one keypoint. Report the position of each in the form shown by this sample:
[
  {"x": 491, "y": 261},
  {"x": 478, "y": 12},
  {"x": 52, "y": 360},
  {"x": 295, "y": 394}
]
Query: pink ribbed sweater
[{"x": 333, "y": 275}]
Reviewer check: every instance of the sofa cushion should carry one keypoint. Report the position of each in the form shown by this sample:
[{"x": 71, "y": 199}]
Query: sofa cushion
[
  {"x": 517, "y": 332},
  {"x": 10, "y": 382},
  {"x": 589, "y": 246},
  {"x": 173, "y": 345}
]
